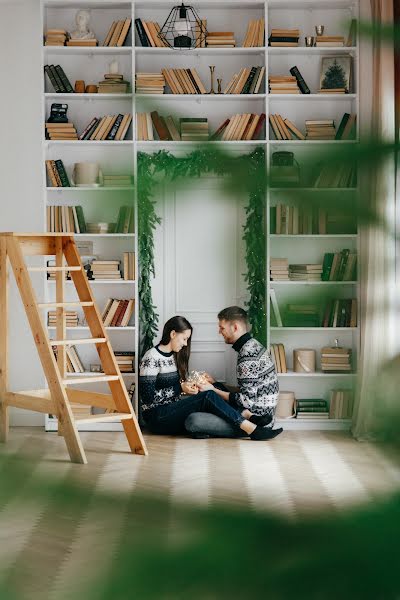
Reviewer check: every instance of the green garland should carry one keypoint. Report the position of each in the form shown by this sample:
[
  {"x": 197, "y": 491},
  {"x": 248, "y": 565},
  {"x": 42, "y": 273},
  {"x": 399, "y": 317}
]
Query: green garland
[{"x": 240, "y": 174}]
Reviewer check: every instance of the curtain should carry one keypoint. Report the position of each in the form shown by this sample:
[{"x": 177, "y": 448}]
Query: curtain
[{"x": 378, "y": 248}]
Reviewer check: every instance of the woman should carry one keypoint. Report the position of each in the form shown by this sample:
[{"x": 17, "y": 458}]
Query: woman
[{"x": 167, "y": 399}]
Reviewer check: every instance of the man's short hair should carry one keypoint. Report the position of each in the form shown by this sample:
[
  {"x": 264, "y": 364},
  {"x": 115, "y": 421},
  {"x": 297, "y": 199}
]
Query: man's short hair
[{"x": 233, "y": 313}]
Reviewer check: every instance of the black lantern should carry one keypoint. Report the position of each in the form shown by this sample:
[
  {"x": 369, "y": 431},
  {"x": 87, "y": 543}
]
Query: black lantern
[{"x": 183, "y": 28}]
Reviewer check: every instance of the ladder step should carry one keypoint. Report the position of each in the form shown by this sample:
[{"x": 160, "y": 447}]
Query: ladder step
[
  {"x": 99, "y": 379},
  {"x": 62, "y": 304},
  {"x": 78, "y": 341},
  {"x": 104, "y": 417},
  {"x": 39, "y": 269}
]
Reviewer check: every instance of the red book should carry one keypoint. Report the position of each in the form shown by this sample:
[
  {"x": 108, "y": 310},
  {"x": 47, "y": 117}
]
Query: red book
[
  {"x": 220, "y": 130},
  {"x": 121, "y": 314},
  {"x": 258, "y": 126},
  {"x": 117, "y": 314}
]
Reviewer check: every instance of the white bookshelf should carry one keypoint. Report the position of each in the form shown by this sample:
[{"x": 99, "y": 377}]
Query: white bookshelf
[{"x": 91, "y": 63}]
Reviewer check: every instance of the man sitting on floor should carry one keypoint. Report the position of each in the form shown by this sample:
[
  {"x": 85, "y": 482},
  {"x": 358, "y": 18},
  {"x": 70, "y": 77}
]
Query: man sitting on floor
[{"x": 256, "y": 376}]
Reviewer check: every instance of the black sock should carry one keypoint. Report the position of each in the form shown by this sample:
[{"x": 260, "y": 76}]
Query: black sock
[
  {"x": 260, "y": 420},
  {"x": 260, "y": 433}
]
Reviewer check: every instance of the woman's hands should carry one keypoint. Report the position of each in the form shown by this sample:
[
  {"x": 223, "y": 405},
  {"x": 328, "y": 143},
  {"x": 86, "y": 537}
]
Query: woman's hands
[
  {"x": 189, "y": 388},
  {"x": 204, "y": 387},
  {"x": 209, "y": 378}
]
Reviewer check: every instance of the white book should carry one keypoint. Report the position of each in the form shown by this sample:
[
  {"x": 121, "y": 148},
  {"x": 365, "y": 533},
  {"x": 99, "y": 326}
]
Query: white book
[{"x": 275, "y": 307}]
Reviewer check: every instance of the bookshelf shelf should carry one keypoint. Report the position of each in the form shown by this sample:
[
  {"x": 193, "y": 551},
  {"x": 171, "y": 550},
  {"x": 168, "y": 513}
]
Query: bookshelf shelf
[
  {"x": 201, "y": 97},
  {"x": 316, "y": 374},
  {"x": 314, "y": 329},
  {"x": 113, "y": 282},
  {"x": 312, "y": 142},
  {"x": 89, "y": 189},
  {"x": 88, "y": 51},
  {"x": 314, "y": 236},
  {"x": 274, "y": 283},
  {"x": 314, "y": 50},
  {"x": 316, "y": 97},
  {"x": 88, "y": 143},
  {"x": 92, "y": 374},
  {"x": 74, "y": 96},
  {"x": 83, "y": 328}
]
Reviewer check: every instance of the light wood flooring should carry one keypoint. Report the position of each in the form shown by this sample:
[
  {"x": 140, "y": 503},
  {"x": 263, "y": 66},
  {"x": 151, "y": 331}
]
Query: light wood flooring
[{"x": 299, "y": 473}]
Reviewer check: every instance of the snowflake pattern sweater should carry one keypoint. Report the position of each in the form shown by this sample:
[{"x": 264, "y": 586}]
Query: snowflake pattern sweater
[
  {"x": 257, "y": 378},
  {"x": 158, "y": 379}
]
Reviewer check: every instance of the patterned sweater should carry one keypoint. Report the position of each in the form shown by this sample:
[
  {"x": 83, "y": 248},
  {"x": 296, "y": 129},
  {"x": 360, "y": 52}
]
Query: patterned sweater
[
  {"x": 158, "y": 379},
  {"x": 257, "y": 378}
]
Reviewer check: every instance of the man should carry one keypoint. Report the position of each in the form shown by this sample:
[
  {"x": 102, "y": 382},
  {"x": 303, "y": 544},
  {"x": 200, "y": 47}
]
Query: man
[{"x": 256, "y": 376}]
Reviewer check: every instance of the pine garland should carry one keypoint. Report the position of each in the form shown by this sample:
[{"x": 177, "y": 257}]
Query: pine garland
[{"x": 244, "y": 173}]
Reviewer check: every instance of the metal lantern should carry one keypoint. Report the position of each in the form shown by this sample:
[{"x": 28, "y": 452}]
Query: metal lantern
[{"x": 183, "y": 28}]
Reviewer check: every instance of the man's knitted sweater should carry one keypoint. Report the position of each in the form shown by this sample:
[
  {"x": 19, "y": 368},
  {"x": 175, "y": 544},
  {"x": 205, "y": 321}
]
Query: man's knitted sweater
[{"x": 257, "y": 378}]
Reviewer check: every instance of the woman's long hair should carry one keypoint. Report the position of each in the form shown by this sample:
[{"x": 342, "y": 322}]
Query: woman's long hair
[{"x": 178, "y": 324}]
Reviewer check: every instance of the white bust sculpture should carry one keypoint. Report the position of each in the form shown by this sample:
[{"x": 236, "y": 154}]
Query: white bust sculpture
[{"x": 82, "y": 32}]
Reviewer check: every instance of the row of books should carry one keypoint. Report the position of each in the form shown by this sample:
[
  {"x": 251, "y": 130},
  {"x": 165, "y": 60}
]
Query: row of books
[
  {"x": 118, "y": 32},
  {"x": 109, "y": 127},
  {"x": 339, "y": 266},
  {"x": 58, "y": 79},
  {"x": 279, "y": 357},
  {"x": 240, "y": 127},
  {"x": 316, "y": 129},
  {"x": 284, "y": 129},
  {"x": 220, "y": 39},
  {"x": 60, "y": 131},
  {"x": 183, "y": 81},
  {"x": 104, "y": 269},
  {"x": 335, "y": 359},
  {"x": 247, "y": 81},
  {"x": 70, "y": 219},
  {"x": 148, "y": 32},
  {"x": 74, "y": 363},
  {"x": 341, "y": 404},
  {"x": 342, "y": 175},
  {"x": 338, "y": 313},
  {"x": 117, "y": 313},
  {"x": 296, "y": 220},
  {"x": 255, "y": 33},
  {"x": 56, "y": 173}
]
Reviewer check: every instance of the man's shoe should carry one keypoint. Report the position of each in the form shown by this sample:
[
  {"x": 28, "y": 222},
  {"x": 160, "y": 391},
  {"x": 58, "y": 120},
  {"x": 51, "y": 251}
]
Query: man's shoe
[{"x": 260, "y": 433}]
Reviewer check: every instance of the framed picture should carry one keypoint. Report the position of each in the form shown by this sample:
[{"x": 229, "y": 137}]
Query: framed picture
[{"x": 335, "y": 73}]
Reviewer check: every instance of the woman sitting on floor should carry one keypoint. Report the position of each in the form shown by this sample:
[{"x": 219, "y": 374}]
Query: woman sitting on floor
[{"x": 167, "y": 399}]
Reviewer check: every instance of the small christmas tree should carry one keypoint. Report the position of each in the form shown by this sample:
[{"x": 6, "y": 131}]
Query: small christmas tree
[{"x": 335, "y": 77}]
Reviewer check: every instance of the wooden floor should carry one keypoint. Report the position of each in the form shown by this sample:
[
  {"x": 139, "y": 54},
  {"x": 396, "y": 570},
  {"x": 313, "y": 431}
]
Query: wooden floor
[{"x": 298, "y": 473}]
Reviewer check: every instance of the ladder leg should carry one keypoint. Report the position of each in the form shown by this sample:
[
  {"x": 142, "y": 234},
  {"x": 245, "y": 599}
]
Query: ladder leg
[
  {"x": 4, "y": 422},
  {"x": 134, "y": 436},
  {"x": 61, "y": 325},
  {"x": 57, "y": 389}
]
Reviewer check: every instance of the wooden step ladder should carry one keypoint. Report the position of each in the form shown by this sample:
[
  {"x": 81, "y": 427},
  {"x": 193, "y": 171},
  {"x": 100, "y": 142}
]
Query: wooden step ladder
[{"x": 57, "y": 399}]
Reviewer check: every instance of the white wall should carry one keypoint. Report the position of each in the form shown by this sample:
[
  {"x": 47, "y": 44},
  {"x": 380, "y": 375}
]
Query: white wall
[{"x": 21, "y": 170}]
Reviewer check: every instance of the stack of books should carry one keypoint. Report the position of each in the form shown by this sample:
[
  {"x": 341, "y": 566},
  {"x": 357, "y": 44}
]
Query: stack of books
[
  {"x": 326, "y": 41},
  {"x": 150, "y": 83},
  {"x": 105, "y": 269},
  {"x": 279, "y": 269},
  {"x": 125, "y": 360},
  {"x": 109, "y": 128},
  {"x": 56, "y": 174},
  {"x": 194, "y": 129},
  {"x": 284, "y": 129},
  {"x": 279, "y": 357},
  {"x": 302, "y": 315},
  {"x": 65, "y": 219},
  {"x": 117, "y": 180},
  {"x": 113, "y": 83},
  {"x": 183, "y": 81},
  {"x": 118, "y": 32},
  {"x": 284, "y": 37},
  {"x": 220, "y": 39},
  {"x": 335, "y": 359},
  {"x": 312, "y": 408},
  {"x": 339, "y": 266},
  {"x": 283, "y": 84},
  {"x": 255, "y": 34},
  {"x": 148, "y": 32},
  {"x": 341, "y": 404},
  {"x": 71, "y": 318},
  {"x": 247, "y": 81},
  {"x": 320, "y": 129},
  {"x": 117, "y": 313},
  {"x": 240, "y": 127},
  {"x": 58, "y": 79},
  {"x": 340, "y": 313},
  {"x": 88, "y": 42},
  {"x": 129, "y": 266},
  {"x": 60, "y": 131},
  {"x": 55, "y": 37},
  {"x": 332, "y": 91},
  {"x": 305, "y": 272},
  {"x": 100, "y": 227}
]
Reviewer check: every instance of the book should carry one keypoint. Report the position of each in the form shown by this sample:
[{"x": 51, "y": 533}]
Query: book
[
  {"x": 300, "y": 80},
  {"x": 275, "y": 307},
  {"x": 144, "y": 40},
  {"x": 64, "y": 80}
]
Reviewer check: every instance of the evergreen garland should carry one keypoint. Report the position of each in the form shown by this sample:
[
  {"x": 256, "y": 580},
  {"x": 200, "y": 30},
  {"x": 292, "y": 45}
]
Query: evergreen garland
[{"x": 246, "y": 172}]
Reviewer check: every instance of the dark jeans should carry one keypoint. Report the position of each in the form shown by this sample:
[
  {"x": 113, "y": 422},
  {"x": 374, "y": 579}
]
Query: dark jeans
[{"x": 170, "y": 419}]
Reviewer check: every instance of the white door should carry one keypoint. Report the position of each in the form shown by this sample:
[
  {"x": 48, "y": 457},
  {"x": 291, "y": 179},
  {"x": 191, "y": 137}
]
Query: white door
[{"x": 200, "y": 266}]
